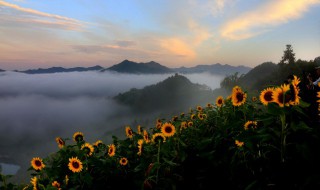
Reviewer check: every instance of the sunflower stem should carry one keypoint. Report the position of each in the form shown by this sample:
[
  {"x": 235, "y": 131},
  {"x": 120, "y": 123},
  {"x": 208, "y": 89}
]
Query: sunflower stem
[
  {"x": 283, "y": 136},
  {"x": 158, "y": 160}
]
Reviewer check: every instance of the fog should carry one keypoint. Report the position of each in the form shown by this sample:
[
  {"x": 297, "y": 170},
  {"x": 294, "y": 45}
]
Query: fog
[{"x": 34, "y": 109}]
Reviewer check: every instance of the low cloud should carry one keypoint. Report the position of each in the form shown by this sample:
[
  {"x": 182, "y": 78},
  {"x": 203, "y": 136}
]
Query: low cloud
[{"x": 35, "y": 109}]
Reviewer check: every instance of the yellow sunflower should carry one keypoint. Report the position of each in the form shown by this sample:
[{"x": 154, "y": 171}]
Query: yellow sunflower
[
  {"x": 78, "y": 137},
  {"x": 254, "y": 99},
  {"x": 139, "y": 129},
  {"x": 123, "y": 161},
  {"x": 34, "y": 182},
  {"x": 88, "y": 148},
  {"x": 37, "y": 163},
  {"x": 294, "y": 95},
  {"x": 98, "y": 143},
  {"x": 158, "y": 137},
  {"x": 239, "y": 143},
  {"x": 140, "y": 142},
  {"x": 200, "y": 116},
  {"x": 199, "y": 108},
  {"x": 182, "y": 114},
  {"x": 193, "y": 116},
  {"x": 281, "y": 95},
  {"x": 250, "y": 124},
  {"x": 168, "y": 129},
  {"x": 190, "y": 124},
  {"x": 75, "y": 165},
  {"x": 238, "y": 96},
  {"x": 209, "y": 105},
  {"x": 266, "y": 96},
  {"x": 129, "y": 132},
  {"x": 295, "y": 81},
  {"x": 219, "y": 101},
  {"x": 183, "y": 125},
  {"x": 55, "y": 184},
  {"x": 174, "y": 118},
  {"x": 111, "y": 150},
  {"x": 146, "y": 136},
  {"x": 60, "y": 142}
]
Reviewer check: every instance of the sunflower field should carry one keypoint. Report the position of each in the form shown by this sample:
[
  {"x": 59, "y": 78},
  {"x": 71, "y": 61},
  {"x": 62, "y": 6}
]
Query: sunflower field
[{"x": 243, "y": 141}]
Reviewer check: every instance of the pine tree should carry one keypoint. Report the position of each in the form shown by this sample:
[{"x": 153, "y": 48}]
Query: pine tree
[{"x": 288, "y": 56}]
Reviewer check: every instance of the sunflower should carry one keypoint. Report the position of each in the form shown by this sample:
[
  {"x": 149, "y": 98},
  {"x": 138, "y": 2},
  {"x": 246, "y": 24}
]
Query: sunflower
[
  {"x": 183, "y": 125},
  {"x": 254, "y": 99},
  {"x": 98, "y": 143},
  {"x": 139, "y": 129},
  {"x": 200, "y": 116},
  {"x": 88, "y": 148},
  {"x": 168, "y": 129},
  {"x": 158, "y": 137},
  {"x": 75, "y": 165},
  {"x": 294, "y": 95},
  {"x": 111, "y": 150},
  {"x": 250, "y": 124},
  {"x": 281, "y": 95},
  {"x": 193, "y": 116},
  {"x": 129, "y": 132},
  {"x": 174, "y": 118},
  {"x": 78, "y": 137},
  {"x": 140, "y": 142},
  {"x": 295, "y": 82},
  {"x": 239, "y": 143},
  {"x": 266, "y": 96},
  {"x": 37, "y": 163},
  {"x": 190, "y": 124},
  {"x": 158, "y": 125},
  {"x": 219, "y": 101},
  {"x": 146, "y": 136},
  {"x": 55, "y": 184},
  {"x": 238, "y": 96},
  {"x": 182, "y": 114},
  {"x": 199, "y": 108},
  {"x": 34, "y": 182},
  {"x": 209, "y": 105},
  {"x": 123, "y": 161},
  {"x": 60, "y": 142}
]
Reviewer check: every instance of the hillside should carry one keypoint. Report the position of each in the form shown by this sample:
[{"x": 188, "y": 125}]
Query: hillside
[
  {"x": 175, "y": 93},
  {"x": 127, "y": 66}
]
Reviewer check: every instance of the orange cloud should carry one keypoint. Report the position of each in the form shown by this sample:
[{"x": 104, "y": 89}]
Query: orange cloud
[
  {"x": 53, "y": 19},
  {"x": 178, "y": 48},
  {"x": 260, "y": 20}
]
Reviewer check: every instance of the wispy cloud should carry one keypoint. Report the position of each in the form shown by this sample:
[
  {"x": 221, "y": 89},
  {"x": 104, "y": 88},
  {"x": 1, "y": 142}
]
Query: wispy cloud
[
  {"x": 32, "y": 16},
  {"x": 265, "y": 17},
  {"x": 178, "y": 48}
]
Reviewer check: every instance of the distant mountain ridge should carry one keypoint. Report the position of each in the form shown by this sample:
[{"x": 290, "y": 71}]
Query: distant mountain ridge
[
  {"x": 215, "y": 69},
  {"x": 151, "y": 67},
  {"x": 61, "y": 69}
]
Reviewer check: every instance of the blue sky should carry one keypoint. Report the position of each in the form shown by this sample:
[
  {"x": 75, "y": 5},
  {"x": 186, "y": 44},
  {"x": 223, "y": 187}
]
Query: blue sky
[{"x": 68, "y": 33}]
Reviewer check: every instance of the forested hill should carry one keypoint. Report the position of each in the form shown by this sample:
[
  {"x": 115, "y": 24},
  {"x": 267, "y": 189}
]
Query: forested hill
[{"x": 175, "y": 93}]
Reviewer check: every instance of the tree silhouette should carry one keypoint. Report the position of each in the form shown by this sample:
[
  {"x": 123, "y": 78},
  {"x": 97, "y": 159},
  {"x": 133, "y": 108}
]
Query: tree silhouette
[{"x": 288, "y": 55}]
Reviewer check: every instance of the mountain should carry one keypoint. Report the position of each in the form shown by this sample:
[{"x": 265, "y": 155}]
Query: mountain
[
  {"x": 175, "y": 93},
  {"x": 61, "y": 69},
  {"x": 2, "y": 70},
  {"x": 217, "y": 68},
  {"x": 127, "y": 66}
]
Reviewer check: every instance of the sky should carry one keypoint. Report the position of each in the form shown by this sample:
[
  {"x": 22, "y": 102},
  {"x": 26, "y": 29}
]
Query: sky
[{"x": 69, "y": 33}]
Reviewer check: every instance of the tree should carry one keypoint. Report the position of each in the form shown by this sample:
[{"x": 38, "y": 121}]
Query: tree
[{"x": 288, "y": 55}]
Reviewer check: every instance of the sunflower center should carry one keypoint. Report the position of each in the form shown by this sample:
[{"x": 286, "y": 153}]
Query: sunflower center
[
  {"x": 219, "y": 101},
  {"x": 37, "y": 163},
  {"x": 79, "y": 138},
  {"x": 268, "y": 96},
  {"x": 168, "y": 129},
  {"x": 158, "y": 138},
  {"x": 76, "y": 165},
  {"x": 239, "y": 96},
  {"x": 110, "y": 150}
]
